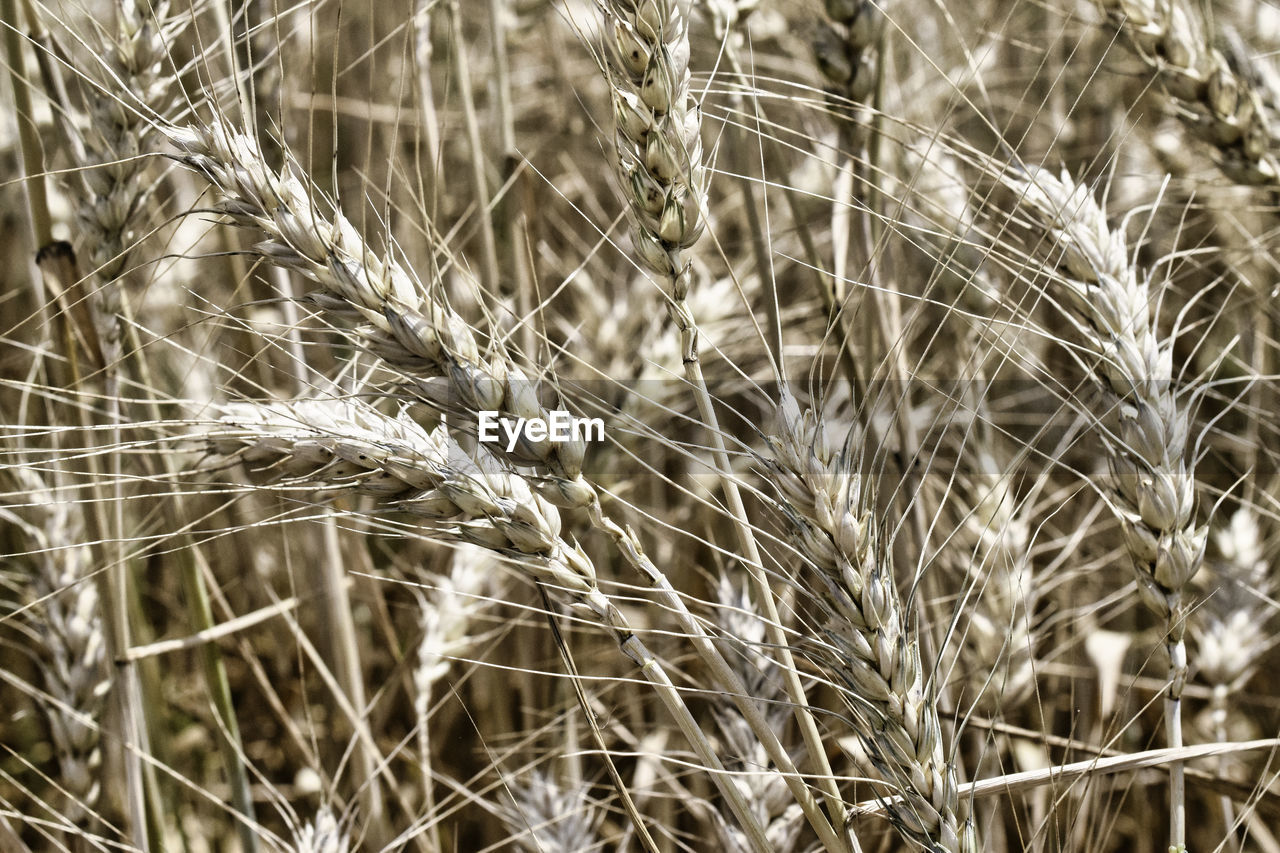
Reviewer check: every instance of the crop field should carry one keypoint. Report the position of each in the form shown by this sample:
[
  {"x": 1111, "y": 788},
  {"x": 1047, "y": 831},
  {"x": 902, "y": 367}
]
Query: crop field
[{"x": 639, "y": 425}]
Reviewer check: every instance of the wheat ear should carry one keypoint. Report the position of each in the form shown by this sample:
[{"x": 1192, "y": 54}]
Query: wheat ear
[
  {"x": 998, "y": 646},
  {"x": 412, "y": 329},
  {"x": 322, "y": 834},
  {"x": 846, "y": 48},
  {"x": 117, "y": 136},
  {"x": 1152, "y": 485},
  {"x": 549, "y": 817},
  {"x": 341, "y": 444},
  {"x": 745, "y": 632},
  {"x": 990, "y": 551},
  {"x": 1215, "y": 101},
  {"x": 73, "y": 647},
  {"x": 447, "y": 621},
  {"x": 137, "y": 65},
  {"x": 659, "y": 147},
  {"x": 1231, "y": 629},
  {"x": 659, "y": 150},
  {"x": 870, "y": 647}
]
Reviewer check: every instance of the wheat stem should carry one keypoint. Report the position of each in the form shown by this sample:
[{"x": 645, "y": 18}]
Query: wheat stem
[
  {"x": 660, "y": 160},
  {"x": 1152, "y": 481},
  {"x": 28, "y": 133},
  {"x": 489, "y": 276}
]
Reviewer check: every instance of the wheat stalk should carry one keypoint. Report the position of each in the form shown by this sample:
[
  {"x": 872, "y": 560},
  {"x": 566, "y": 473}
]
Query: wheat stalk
[
  {"x": 1152, "y": 484},
  {"x": 659, "y": 149}
]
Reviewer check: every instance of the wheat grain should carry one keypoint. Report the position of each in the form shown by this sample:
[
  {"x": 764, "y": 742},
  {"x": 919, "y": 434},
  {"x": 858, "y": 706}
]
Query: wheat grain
[{"x": 345, "y": 444}]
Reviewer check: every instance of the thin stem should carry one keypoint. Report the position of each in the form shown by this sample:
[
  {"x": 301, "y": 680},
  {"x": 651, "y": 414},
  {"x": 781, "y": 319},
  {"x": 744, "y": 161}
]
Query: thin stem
[
  {"x": 427, "y": 104},
  {"x": 670, "y": 697},
  {"x": 597, "y": 736},
  {"x": 1173, "y": 731},
  {"x": 200, "y": 612},
  {"x": 113, "y": 595},
  {"x": 344, "y": 656},
  {"x": 215, "y": 676},
  {"x": 512, "y": 212},
  {"x": 28, "y": 134},
  {"x": 1218, "y": 710},
  {"x": 746, "y": 534},
  {"x": 489, "y": 276},
  {"x": 502, "y": 77},
  {"x": 722, "y": 672}
]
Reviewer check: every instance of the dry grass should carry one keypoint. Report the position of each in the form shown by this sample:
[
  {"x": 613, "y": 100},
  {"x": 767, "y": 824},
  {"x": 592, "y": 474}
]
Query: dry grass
[{"x": 936, "y": 505}]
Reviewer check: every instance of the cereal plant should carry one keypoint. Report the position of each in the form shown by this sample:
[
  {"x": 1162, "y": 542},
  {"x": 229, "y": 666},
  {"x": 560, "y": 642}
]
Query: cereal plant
[{"x": 657, "y": 425}]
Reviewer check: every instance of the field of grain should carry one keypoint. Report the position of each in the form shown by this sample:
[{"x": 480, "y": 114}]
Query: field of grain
[{"x": 639, "y": 425}]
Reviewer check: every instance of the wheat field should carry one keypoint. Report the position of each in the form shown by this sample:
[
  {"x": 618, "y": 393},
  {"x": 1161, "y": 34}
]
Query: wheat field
[{"x": 639, "y": 425}]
